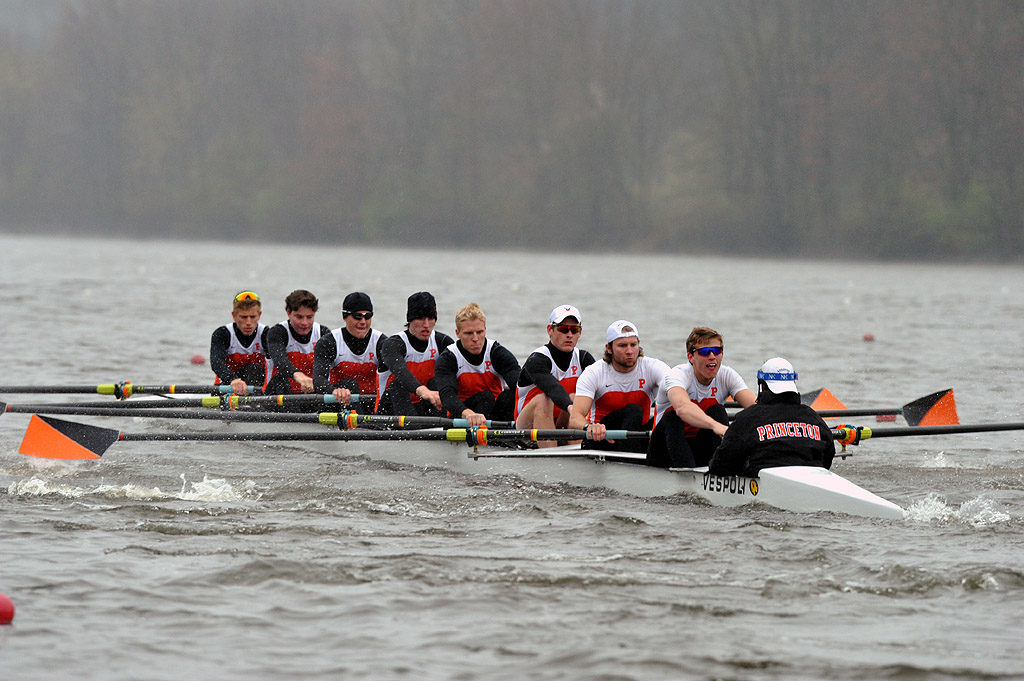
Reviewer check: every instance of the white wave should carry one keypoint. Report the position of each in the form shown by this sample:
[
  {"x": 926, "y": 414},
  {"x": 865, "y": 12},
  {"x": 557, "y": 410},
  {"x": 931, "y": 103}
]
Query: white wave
[
  {"x": 217, "y": 489},
  {"x": 978, "y": 512},
  {"x": 208, "y": 489}
]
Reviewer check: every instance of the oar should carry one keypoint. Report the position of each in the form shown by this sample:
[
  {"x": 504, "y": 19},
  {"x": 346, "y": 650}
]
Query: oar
[
  {"x": 257, "y": 416},
  {"x": 58, "y": 439},
  {"x": 122, "y": 390},
  {"x": 822, "y": 398},
  {"x": 343, "y": 419},
  {"x": 212, "y": 402},
  {"x": 853, "y": 435},
  {"x": 938, "y": 408}
]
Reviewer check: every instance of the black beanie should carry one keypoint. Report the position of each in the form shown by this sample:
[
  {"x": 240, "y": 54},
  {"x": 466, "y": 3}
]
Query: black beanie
[
  {"x": 356, "y": 302},
  {"x": 421, "y": 305}
]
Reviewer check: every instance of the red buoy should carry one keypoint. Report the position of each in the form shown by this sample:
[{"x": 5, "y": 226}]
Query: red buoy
[
  {"x": 6, "y": 609},
  {"x": 198, "y": 359},
  {"x": 868, "y": 337}
]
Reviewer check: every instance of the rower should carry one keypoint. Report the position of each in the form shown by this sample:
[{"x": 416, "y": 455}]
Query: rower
[
  {"x": 476, "y": 375},
  {"x": 237, "y": 350},
  {"x": 290, "y": 345},
  {"x": 691, "y": 416},
  {"x": 405, "y": 384},
  {"x": 617, "y": 393},
  {"x": 547, "y": 383},
  {"x": 346, "y": 360},
  {"x": 777, "y": 431}
]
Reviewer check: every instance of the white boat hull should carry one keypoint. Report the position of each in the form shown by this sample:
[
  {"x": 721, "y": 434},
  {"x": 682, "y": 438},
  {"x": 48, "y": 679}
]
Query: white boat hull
[{"x": 803, "y": 489}]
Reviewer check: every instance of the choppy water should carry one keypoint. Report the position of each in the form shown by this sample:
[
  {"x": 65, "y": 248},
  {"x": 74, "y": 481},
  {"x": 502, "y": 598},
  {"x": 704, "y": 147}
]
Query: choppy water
[{"x": 253, "y": 561}]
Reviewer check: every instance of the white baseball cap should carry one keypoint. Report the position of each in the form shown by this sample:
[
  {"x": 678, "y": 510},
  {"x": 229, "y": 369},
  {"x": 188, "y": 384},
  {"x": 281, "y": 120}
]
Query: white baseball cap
[
  {"x": 620, "y": 329},
  {"x": 778, "y": 374},
  {"x": 563, "y": 311}
]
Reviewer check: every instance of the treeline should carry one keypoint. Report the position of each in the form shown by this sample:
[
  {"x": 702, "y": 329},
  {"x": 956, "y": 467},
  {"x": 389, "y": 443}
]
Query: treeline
[{"x": 874, "y": 128}]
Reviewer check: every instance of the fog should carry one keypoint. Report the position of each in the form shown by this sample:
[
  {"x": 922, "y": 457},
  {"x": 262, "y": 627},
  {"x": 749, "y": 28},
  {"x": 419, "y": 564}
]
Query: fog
[{"x": 873, "y": 129}]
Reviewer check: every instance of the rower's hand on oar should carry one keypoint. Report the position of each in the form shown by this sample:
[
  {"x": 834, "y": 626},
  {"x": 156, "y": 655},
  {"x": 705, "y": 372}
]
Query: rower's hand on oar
[
  {"x": 596, "y": 431},
  {"x": 474, "y": 419},
  {"x": 304, "y": 381},
  {"x": 239, "y": 387},
  {"x": 432, "y": 396},
  {"x": 719, "y": 429},
  {"x": 342, "y": 395}
]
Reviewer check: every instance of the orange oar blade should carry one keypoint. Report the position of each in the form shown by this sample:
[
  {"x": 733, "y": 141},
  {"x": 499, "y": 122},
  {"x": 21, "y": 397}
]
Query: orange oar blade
[
  {"x": 52, "y": 438},
  {"x": 937, "y": 409},
  {"x": 822, "y": 399}
]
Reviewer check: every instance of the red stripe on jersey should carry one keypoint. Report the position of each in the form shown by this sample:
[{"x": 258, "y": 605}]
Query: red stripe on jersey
[
  {"x": 610, "y": 401},
  {"x": 365, "y": 374},
  {"x": 471, "y": 383}
]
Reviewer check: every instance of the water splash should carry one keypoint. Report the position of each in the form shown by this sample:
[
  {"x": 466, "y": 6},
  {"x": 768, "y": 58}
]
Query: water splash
[
  {"x": 939, "y": 460},
  {"x": 217, "y": 489},
  {"x": 979, "y": 512},
  {"x": 208, "y": 489}
]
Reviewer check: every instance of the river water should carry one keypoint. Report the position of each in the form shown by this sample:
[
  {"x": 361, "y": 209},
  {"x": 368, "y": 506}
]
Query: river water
[{"x": 279, "y": 561}]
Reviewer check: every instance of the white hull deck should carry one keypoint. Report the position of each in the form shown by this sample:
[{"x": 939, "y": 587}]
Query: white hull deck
[{"x": 802, "y": 489}]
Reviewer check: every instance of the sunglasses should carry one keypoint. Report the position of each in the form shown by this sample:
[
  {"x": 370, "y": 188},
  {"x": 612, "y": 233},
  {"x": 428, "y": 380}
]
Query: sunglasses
[
  {"x": 358, "y": 316},
  {"x": 569, "y": 328},
  {"x": 710, "y": 350},
  {"x": 246, "y": 295}
]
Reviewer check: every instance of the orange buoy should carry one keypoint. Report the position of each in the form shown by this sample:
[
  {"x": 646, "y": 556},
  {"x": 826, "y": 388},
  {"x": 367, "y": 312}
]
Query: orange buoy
[
  {"x": 868, "y": 337},
  {"x": 198, "y": 359},
  {"x": 6, "y": 609}
]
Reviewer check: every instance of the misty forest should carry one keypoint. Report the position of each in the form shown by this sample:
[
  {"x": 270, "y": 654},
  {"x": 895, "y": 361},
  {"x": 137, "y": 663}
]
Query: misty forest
[{"x": 869, "y": 129}]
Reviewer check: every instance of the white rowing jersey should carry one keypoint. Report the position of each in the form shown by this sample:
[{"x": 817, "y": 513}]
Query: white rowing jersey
[
  {"x": 362, "y": 367},
  {"x": 239, "y": 355},
  {"x": 611, "y": 389},
  {"x": 476, "y": 378},
  {"x": 299, "y": 354},
  {"x": 567, "y": 377},
  {"x": 420, "y": 364},
  {"x": 727, "y": 382}
]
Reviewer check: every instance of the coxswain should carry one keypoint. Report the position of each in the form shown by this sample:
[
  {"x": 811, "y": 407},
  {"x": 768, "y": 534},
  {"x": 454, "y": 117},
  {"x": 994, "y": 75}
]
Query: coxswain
[
  {"x": 777, "y": 431},
  {"x": 618, "y": 392},
  {"x": 691, "y": 413},
  {"x": 547, "y": 383},
  {"x": 237, "y": 350},
  {"x": 347, "y": 359},
  {"x": 476, "y": 375},
  {"x": 290, "y": 345},
  {"x": 406, "y": 385}
]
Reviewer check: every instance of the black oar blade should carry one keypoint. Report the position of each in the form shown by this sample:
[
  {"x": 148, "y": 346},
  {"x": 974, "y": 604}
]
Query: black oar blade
[
  {"x": 937, "y": 409},
  {"x": 52, "y": 438}
]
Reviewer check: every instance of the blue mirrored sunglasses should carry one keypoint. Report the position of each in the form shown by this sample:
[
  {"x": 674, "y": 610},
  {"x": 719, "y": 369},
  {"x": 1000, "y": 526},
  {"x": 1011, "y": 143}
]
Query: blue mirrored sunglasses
[{"x": 710, "y": 350}]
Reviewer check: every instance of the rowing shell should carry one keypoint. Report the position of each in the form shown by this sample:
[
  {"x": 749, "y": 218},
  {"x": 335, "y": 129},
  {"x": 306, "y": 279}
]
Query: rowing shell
[
  {"x": 803, "y": 489},
  {"x": 794, "y": 488}
]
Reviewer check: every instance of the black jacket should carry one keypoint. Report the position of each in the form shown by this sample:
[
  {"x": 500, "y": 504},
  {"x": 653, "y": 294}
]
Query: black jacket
[{"x": 777, "y": 431}]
